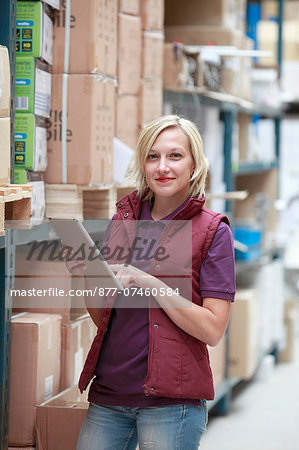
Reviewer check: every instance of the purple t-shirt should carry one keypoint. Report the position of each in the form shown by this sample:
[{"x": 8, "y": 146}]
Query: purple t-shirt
[{"x": 122, "y": 366}]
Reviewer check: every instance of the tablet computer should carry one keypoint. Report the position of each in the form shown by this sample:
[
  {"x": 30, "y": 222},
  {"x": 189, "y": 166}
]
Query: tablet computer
[{"x": 74, "y": 235}]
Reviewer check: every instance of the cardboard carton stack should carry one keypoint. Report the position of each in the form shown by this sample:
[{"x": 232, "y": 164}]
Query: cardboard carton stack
[
  {"x": 218, "y": 23},
  {"x": 34, "y": 371},
  {"x": 128, "y": 72},
  {"x": 34, "y": 38},
  {"x": 80, "y": 129},
  {"x": 151, "y": 94}
]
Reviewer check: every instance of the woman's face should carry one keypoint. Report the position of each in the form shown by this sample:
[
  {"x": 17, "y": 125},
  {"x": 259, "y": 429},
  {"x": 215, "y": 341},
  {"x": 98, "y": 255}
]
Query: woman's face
[{"x": 169, "y": 164}]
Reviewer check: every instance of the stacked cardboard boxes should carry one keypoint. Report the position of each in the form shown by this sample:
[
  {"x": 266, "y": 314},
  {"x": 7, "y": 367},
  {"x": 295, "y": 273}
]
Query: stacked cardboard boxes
[
  {"x": 34, "y": 38},
  {"x": 34, "y": 371},
  {"x": 140, "y": 65},
  {"x": 45, "y": 289},
  {"x": 201, "y": 24},
  {"x": 151, "y": 96},
  {"x": 80, "y": 129}
]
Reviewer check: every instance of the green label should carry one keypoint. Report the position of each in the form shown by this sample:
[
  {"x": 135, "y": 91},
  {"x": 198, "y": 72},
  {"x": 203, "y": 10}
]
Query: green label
[
  {"x": 24, "y": 140},
  {"x": 29, "y": 23},
  {"x": 25, "y": 84}
]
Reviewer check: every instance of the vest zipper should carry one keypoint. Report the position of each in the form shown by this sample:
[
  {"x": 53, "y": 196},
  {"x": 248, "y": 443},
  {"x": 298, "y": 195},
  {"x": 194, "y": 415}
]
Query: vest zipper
[{"x": 150, "y": 352}]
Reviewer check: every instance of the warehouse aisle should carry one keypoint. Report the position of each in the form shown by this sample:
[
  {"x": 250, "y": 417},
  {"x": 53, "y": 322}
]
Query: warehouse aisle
[{"x": 263, "y": 416}]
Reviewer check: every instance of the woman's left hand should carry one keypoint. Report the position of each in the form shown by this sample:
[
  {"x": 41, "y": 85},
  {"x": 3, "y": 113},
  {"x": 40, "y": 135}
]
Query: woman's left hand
[{"x": 131, "y": 276}]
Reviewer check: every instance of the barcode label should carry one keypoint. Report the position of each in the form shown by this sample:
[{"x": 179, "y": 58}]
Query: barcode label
[{"x": 22, "y": 103}]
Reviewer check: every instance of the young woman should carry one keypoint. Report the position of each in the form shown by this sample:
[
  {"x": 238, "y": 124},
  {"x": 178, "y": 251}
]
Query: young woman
[{"x": 149, "y": 361}]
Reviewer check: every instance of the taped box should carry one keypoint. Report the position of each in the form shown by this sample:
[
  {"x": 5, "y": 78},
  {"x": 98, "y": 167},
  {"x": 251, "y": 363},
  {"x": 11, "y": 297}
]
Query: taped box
[
  {"x": 89, "y": 122},
  {"x": 91, "y": 41},
  {"x": 34, "y": 371},
  {"x": 59, "y": 420}
]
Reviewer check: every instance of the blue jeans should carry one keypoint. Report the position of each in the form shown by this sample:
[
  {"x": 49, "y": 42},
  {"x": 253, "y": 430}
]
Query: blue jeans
[{"x": 176, "y": 427}]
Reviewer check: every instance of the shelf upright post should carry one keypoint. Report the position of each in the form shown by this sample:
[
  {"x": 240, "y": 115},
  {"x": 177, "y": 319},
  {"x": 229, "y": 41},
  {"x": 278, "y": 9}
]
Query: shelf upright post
[
  {"x": 228, "y": 117},
  {"x": 7, "y": 254}
]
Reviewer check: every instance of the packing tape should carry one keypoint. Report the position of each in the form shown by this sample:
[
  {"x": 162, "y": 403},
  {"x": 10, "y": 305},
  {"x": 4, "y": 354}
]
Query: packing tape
[{"x": 65, "y": 90}]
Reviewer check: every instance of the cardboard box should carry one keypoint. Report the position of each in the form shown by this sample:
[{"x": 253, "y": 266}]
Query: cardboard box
[
  {"x": 89, "y": 129},
  {"x": 5, "y": 150},
  {"x": 226, "y": 13},
  {"x": 152, "y": 54},
  {"x": 130, "y": 7},
  {"x": 34, "y": 371},
  {"x": 151, "y": 100},
  {"x": 152, "y": 14},
  {"x": 5, "y": 82},
  {"x": 34, "y": 31},
  {"x": 270, "y": 10},
  {"x": 267, "y": 34},
  {"x": 175, "y": 70},
  {"x": 129, "y": 54},
  {"x": 23, "y": 448},
  {"x": 217, "y": 356},
  {"x": 126, "y": 129},
  {"x": 92, "y": 43},
  {"x": 60, "y": 419},
  {"x": 30, "y": 142},
  {"x": 204, "y": 35},
  {"x": 33, "y": 87},
  {"x": 47, "y": 283},
  {"x": 243, "y": 335},
  {"x": 38, "y": 202},
  {"x": 76, "y": 340}
]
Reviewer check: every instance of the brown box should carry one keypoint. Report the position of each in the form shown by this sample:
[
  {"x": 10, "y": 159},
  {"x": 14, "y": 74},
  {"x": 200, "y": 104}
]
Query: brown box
[
  {"x": 129, "y": 54},
  {"x": 76, "y": 339},
  {"x": 130, "y": 7},
  {"x": 93, "y": 37},
  {"x": 34, "y": 371},
  {"x": 5, "y": 82},
  {"x": 151, "y": 100},
  {"x": 59, "y": 420},
  {"x": 152, "y": 54},
  {"x": 270, "y": 10},
  {"x": 5, "y": 150},
  {"x": 204, "y": 35},
  {"x": 243, "y": 335},
  {"x": 175, "y": 71},
  {"x": 152, "y": 14},
  {"x": 126, "y": 129},
  {"x": 265, "y": 183},
  {"x": 227, "y": 13},
  {"x": 52, "y": 279},
  {"x": 217, "y": 356},
  {"x": 90, "y": 129}
]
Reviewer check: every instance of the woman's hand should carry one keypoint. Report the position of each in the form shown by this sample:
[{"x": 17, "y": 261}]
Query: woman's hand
[
  {"x": 73, "y": 265},
  {"x": 131, "y": 276}
]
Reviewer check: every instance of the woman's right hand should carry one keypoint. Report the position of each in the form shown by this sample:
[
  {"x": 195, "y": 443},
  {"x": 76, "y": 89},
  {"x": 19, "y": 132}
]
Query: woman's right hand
[{"x": 73, "y": 265}]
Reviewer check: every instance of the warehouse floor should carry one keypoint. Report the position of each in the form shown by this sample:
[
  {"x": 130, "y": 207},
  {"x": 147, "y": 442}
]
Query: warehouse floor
[{"x": 264, "y": 414}]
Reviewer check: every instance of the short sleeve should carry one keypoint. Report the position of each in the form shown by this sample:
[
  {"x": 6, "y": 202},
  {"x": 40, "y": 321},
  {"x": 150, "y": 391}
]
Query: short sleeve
[{"x": 217, "y": 273}]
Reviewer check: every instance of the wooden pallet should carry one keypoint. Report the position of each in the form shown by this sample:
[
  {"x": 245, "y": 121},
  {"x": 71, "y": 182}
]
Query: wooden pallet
[
  {"x": 15, "y": 204},
  {"x": 66, "y": 201}
]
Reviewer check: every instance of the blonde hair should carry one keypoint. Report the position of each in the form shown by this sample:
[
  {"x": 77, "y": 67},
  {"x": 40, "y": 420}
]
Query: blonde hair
[{"x": 145, "y": 142}]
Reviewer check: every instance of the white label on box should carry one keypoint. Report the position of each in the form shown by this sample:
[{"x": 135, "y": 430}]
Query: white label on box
[
  {"x": 42, "y": 102},
  {"x": 78, "y": 365},
  {"x": 40, "y": 149},
  {"x": 37, "y": 201},
  {"x": 47, "y": 52},
  {"x": 48, "y": 387}
]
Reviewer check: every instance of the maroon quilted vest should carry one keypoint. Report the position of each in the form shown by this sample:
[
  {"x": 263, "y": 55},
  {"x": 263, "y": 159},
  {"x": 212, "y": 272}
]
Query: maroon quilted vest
[{"x": 178, "y": 364}]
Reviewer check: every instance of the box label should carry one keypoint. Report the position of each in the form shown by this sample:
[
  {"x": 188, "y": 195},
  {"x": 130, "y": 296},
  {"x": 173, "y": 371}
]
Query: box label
[{"x": 48, "y": 387}]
